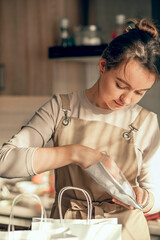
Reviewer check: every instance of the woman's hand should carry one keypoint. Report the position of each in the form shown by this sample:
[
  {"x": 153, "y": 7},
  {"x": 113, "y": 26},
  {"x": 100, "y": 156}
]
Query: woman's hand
[
  {"x": 143, "y": 197},
  {"x": 84, "y": 156}
]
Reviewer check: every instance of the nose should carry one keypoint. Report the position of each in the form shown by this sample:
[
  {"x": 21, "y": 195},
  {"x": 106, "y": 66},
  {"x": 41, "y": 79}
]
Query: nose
[{"x": 126, "y": 98}]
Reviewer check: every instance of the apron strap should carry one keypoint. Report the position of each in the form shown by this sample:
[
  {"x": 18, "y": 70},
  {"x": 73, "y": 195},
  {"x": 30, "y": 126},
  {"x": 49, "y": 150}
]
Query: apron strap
[
  {"x": 140, "y": 118},
  {"x": 134, "y": 127},
  {"x": 65, "y": 102},
  {"x": 66, "y": 108}
]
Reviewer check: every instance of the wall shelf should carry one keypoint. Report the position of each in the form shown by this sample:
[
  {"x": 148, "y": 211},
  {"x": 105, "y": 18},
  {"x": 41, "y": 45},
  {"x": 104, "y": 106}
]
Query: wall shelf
[
  {"x": 79, "y": 59},
  {"x": 76, "y": 53},
  {"x": 76, "y": 66}
]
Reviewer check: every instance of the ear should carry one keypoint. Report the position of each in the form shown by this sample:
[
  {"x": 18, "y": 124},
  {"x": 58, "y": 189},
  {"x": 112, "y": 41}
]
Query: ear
[{"x": 102, "y": 65}]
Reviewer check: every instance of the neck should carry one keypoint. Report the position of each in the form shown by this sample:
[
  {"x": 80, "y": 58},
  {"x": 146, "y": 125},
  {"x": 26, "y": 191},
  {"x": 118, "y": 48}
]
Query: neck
[{"x": 93, "y": 94}]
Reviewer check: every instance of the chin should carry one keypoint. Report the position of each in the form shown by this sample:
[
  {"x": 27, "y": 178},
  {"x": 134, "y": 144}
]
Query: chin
[{"x": 111, "y": 107}]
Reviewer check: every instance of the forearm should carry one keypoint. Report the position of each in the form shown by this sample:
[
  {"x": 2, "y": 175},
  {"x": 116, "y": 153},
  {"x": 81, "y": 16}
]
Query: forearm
[
  {"x": 46, "y": 159},
  {"x": 16, "y": 162},
  {"x": 23, "y": 161}
]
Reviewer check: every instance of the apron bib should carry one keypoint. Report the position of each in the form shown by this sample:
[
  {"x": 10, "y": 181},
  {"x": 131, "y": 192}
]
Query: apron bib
[{"x": 119, "y": 144}]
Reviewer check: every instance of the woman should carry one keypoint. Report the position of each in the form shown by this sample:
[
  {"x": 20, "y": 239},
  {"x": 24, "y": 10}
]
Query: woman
[{"x": 105, "y": 117}]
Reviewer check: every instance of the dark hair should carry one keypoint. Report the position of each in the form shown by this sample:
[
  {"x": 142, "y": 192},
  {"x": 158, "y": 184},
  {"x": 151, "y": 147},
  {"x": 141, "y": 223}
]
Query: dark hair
[{"x": 140, "y": 43}]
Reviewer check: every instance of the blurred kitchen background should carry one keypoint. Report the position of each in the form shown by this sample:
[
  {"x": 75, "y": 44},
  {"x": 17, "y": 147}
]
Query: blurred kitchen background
[{"x": 32, "y": 68}]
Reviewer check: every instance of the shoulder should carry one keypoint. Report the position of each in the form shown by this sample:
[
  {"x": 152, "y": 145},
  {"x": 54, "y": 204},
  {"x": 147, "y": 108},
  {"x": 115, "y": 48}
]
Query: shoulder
[
  {"x": 149, "y": 130},
  {"x": 57, "y": 99},
  {"x": 151, "y": 117},
  {"x": 137, "y": 109},
  {"x": 128, "y": 115}
]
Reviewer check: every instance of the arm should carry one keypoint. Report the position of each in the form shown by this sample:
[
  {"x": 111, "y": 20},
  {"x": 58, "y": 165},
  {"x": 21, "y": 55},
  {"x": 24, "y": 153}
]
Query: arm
[
  {"x": 25, "y": 154},
  {"x": 51, "y": 158},
  {"x": 16, "y": 155},
  {"x": 149, "y": 175}
]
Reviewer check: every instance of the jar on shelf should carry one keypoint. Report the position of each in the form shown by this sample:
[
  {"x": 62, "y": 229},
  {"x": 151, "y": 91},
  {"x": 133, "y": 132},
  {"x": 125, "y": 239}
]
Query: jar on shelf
[{"x": 91, "y": 35}]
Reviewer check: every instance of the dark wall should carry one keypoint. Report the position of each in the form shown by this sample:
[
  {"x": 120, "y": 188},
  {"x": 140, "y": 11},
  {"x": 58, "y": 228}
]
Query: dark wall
[
  {"x": 156, "y": 11},
  {"x": 106, "y": 10}
]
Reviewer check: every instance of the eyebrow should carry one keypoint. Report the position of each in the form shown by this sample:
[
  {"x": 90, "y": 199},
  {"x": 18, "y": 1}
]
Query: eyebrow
[{"x": 121, "y": 80}]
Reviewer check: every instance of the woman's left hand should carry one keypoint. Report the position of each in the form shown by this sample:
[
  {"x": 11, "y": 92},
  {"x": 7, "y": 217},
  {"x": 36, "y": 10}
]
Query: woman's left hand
[{"x": 141, "y": 197}]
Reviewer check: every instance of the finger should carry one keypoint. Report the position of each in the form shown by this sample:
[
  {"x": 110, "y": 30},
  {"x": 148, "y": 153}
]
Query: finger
[
  {"x": 139, "y": 194},
  {"x": 145, "y": 198},
  {"x": 122, "y": 204}
]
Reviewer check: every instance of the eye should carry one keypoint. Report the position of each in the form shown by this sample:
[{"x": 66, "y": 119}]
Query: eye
[
  {"x": 140, "y": 93},
  {"x": 119, "y": 86}
]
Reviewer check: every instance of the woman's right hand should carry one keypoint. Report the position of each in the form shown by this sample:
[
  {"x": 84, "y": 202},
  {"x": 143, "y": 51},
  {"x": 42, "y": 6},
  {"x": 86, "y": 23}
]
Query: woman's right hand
[{"x": 84, "y": 156}]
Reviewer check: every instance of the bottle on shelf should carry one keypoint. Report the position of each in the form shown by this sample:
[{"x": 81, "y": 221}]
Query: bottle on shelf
[
  {"x": 66, "y": 39},
  {"x": 119, "y": 26}
]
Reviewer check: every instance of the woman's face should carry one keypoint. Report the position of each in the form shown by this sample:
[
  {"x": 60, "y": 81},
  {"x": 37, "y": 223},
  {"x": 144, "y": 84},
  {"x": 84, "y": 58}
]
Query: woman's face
[{"x": 122, "y": 86}]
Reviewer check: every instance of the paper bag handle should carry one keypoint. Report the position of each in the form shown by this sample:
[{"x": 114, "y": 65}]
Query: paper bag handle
[
  {"x": 89, "y": 201},
  {"x": 17, "y": 199}
]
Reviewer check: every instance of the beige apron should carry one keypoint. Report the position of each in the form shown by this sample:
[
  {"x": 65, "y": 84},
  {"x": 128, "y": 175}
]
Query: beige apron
[{"x": 116, "y": 141}]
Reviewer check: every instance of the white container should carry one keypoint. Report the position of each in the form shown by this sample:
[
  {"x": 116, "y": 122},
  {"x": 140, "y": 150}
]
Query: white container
[{"x": 91, "y": 35}]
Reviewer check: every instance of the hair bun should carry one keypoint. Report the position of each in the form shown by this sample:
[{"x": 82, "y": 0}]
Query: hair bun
[{"x": 147, "y": 26}]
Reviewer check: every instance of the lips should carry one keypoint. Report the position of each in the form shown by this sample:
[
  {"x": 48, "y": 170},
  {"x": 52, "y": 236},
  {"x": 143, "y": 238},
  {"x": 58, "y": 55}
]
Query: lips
[{"x": 119, "y": 104}]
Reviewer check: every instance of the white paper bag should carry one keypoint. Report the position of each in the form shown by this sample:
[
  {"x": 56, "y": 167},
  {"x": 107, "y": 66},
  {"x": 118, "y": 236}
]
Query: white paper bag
[
  {"x": 97, "y": 229},
  {"x": 39, "y": 234},
  {"x": 20, "y": 234},
  {"x": 35, "y": 235}
]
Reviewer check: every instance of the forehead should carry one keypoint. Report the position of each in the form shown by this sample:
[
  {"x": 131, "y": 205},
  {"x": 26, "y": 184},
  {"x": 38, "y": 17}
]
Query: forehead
[
  {"x": 133, "y": 72},
  {"x": 129, "y": 66}
]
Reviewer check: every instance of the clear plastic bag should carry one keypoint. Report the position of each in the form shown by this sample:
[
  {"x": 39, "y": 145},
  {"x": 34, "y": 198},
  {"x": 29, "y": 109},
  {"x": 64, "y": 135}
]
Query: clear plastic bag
[{"x": 112, "y": 180}]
